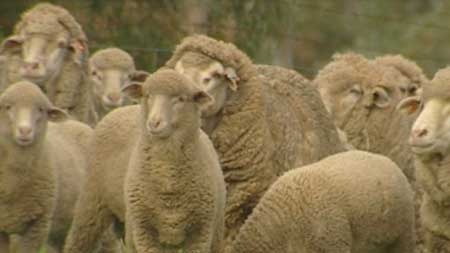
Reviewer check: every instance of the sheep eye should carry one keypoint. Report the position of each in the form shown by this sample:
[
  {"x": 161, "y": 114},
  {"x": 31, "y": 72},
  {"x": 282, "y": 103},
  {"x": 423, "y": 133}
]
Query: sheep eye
[
  {"x": 206, "y": 80},
  {"x": 7, "y": 107},
  {"x": 412, "y": 89},
  {"x": 62, "y": 44},
  {"x": 180, "y": 99},
  {"x": 355, "y": 91},
  {"x": 216, "y": 75},
  {"x": 41, "y": 110}
]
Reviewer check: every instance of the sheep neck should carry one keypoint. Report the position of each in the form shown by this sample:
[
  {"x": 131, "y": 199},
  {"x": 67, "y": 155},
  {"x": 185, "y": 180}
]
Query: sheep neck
[
  {"x": 21, "y": 158},
  {"x": 179, "y": 140}
]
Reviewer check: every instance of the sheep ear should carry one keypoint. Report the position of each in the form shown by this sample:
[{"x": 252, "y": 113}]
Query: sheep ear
[
  {"x": 202, "y": 98},
  {"x": 409, "y": 105},
  {"x": 231, "y": 75},
  {"x": 55, "y": 114},
  {"x": 133, "y": 90},
  {"x": 11, "y": 43},
  {"x": 381, "y": 97},
  {"x": 139, "y": 76},
  {"x": 79, "y": 50},
  {"x": 179, "y": 67}
]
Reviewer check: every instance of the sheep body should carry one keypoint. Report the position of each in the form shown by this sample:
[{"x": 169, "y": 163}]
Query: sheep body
[
  {"x": 40, "y": 183},
  {"x": 175, "y": 191},
  {"x": 348, "y": 202},
  {"x": 261, "y": 131},
  {"x": 101, "y": 202}
]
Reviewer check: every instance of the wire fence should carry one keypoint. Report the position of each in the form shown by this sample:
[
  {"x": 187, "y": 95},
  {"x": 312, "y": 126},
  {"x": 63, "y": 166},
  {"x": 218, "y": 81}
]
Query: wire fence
[{"x": 158, "y": 54}]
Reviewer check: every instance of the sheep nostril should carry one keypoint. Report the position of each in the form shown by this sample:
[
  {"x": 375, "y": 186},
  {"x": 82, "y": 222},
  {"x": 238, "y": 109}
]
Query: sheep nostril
[
  {"x": 25, "y": 131},
  {"x": 422, "y": 132}
]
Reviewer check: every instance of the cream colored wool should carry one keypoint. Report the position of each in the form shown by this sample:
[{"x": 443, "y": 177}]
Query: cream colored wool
[
  {"x": 175, "y": 191},
  {"x": 69, "y": 89},
  {"x": 350, "y": 86},
  {"x": 262, "y": 131},
  {"x": 101, "y": 203},
  {"x": 416, "y": 79},
  {"x": 40, "y": 182},
  {"x": 349, "y": 202}
]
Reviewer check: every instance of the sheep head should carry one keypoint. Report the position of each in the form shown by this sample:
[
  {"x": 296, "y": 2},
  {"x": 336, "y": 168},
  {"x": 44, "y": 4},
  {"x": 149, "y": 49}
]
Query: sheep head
[
  {"x": 413, "y": 77},
  {"x": 361, "y": 96},
  {"x": 430, "y": 133},
  {"x": 110, "y": 70},
  {"x": 212, "y": 76},
  {"x": 45, "y": 38},
  {"x": 169, "y": 102},
  {"x": 24, "y": 113}
]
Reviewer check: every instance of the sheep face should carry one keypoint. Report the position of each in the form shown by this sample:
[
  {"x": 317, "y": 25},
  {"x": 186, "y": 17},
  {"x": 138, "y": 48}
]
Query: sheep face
[
  {"x": 218, "y": 81},
  {"x": 107, "y": 86},
  {"x": 24, "y": 112},
  {"x": 360, "y": 110},
  {"x": 164, "y": 112},
  {"x": 430, "y": 133},
  {"x": 44, "y": 45}
]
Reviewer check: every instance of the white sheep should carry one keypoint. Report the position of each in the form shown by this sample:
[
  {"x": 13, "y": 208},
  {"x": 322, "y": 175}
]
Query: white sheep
[
  {"x": 349, "y": 202},
  {"x": 110, "y": 70},
  {"x": 263, "y": 122},
  {"x": 42, "y": 168},
  {"x": 53, "y": 51},
  {"x": 175, "y": 191},
  {"x": 430, "y": 143}
]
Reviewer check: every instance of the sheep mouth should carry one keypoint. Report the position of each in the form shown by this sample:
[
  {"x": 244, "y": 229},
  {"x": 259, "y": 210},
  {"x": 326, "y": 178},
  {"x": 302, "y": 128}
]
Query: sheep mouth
[
  {"x": 421, "y": 148},
  {"x": 24, "y": 141}
]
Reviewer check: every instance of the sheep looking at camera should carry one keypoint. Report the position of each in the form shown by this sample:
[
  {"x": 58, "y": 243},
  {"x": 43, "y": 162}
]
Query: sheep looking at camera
[
  {"x": 42, "y": 169},
  {"x": 110, "y": 70}
]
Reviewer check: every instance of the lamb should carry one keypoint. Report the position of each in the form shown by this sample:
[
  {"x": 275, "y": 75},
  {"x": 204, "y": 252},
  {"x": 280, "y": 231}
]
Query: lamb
[
  {"x": 110, "y": 70},
  {"x": 256, "y": 123},
  {"x": 414, "y": 78},
  {"x": 42, "y": 169},
  {"x": 175, "y": 190},
  {"x": 52, "y": 49},
  {"x": 349, "y": 202},
  {"x": 430, "y": 142},
  {"x": 361, "y": 96}
]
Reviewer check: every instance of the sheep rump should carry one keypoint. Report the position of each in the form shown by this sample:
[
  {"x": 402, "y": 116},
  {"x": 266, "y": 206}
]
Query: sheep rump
[{"x": 348, "y": 202}]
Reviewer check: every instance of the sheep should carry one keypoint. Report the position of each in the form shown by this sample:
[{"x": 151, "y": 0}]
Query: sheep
[
  {"x": 101, "y": 203},
  {"x": 53, "y": 51},
  {"x": 361, "y": 97},
  {"x": 414, "y": 78},
  {"x": 349, "y": 202},
  {"x": 256, "y": 124},
  {"x": 430, "y": 142},
  {"x": 42, "y": 168},
  {"x": 110, "y": 70},
  {"x": 174, "y": 186}
]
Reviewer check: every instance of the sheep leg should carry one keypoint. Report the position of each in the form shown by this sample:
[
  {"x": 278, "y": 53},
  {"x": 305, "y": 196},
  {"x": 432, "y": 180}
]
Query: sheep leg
[
  {"x": 92, "y": 218},
  {"x": 4, "y": 243},
  {"x": 129, "y": 239},
  {"x": 35, "y": 237},
  {"x": 202, "y": 241},
  {"x": 404, "y": 244}
]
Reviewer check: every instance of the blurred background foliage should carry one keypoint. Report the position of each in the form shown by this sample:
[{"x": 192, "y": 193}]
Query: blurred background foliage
[{"x": 301, "y": 34}]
